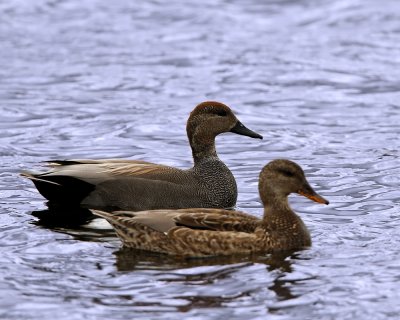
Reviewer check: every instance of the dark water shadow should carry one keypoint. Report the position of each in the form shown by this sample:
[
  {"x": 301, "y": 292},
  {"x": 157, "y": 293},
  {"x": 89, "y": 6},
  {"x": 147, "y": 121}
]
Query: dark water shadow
[
  {"x": 62, "y": 217},
  {"x": 75, "y": 222},
  {"x": 279, "y": 263},
  {"x": 128, "y": 259}
]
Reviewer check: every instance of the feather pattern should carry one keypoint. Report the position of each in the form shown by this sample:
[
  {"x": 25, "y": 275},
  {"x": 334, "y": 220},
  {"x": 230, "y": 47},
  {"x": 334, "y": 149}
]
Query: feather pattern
[
  {"x": 139, "y": 185},
  {"x": 202, "y": 232}
]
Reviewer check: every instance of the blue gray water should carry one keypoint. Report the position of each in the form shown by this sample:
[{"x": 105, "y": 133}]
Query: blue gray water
[{"x": 105, "y": 79}]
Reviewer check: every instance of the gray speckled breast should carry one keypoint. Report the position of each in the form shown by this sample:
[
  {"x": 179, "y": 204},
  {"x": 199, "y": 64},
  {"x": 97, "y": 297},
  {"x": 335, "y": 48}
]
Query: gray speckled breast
[{"x": 216, "y": 183}]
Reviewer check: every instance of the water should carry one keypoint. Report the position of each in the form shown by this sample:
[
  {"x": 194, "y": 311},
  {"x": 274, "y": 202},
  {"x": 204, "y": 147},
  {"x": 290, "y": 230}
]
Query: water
[{"x": 100, "y": 79}]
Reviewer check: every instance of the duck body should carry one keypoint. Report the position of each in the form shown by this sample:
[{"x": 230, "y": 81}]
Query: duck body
[
  {"x": 203, "y": 232},
  {"x": 138, "y": 185}
]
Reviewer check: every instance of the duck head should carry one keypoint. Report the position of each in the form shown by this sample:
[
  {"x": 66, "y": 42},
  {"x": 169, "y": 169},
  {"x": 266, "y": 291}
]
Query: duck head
[
  {"x": 279, "y": 178},
  {"x": 216, "y": 117},
  {"x": 210, "y": 119}
]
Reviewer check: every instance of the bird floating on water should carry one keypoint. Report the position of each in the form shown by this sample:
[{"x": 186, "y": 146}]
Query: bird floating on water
[
  {"x": 139, "y": 185},
  {"x": 203, "y": 232}
]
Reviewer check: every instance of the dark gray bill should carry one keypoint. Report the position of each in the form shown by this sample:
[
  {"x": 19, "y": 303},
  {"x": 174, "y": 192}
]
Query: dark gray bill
[{"x": 239, "y": 128}]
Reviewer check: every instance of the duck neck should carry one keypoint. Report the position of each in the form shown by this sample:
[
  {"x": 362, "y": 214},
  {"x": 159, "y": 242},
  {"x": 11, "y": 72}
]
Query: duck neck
[
  {"x": 277, "y": 211},
  {"x": 203, "y": 146}
]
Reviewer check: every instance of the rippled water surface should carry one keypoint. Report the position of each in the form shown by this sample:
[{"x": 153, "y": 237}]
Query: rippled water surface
[{"x": 100, "y": 79}]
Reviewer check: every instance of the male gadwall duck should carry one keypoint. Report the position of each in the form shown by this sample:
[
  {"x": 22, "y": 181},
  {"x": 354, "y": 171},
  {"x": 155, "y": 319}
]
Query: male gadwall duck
[
  {"x": 209, "y": 232},
  {"x": 138, "y": 185}
]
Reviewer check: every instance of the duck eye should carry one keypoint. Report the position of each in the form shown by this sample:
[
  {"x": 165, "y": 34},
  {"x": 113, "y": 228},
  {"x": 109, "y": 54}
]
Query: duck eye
[
  {"x": 221, "y": 113},
  {"x": 286, "y": 173}
]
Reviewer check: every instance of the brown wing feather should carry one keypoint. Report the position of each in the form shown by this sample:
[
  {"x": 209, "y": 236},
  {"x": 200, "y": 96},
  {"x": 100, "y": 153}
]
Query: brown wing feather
[
  {"x": 223, "y": 220},
  {"x": 136, "y": 169},
  {"x": 198, "y": 218},
  {"x": 96, "y": 171},
  {"x": 177, "y": 231}
]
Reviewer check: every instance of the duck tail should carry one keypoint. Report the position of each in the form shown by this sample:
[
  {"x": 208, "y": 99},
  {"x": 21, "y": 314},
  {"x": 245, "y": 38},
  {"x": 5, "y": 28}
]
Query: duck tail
[
  {"x": 102, "y": 214},
  {"x": 60, "y": 189},
  {"x": 35, "y": 177}
]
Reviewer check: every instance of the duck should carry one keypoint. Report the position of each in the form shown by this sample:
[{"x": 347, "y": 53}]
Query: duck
[
  {"x": 203, "y": 232},
  {"x": 118, "y": 184}
]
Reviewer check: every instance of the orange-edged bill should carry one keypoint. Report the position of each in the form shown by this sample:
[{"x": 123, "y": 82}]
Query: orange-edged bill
[{"x": 314, "y": 197}]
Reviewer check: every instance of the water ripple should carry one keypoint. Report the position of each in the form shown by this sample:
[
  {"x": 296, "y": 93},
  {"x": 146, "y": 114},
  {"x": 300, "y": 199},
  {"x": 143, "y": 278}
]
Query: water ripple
[{"x": 93, "y": 80}]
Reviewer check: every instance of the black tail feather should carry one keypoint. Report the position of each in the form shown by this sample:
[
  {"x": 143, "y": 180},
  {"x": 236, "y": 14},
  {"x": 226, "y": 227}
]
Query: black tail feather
[
  {"x": 62, "y": 189},
  {"x": 62, "y": 162}
]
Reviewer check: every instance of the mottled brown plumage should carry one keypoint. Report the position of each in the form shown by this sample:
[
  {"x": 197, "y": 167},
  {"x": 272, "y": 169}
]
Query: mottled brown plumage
[
  {"x": 138, "y": 185},
  {"x": 207, "y": 232}
]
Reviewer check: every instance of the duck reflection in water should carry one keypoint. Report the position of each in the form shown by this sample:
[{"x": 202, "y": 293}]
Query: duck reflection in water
[
  {"x": 62, "y": 217},
  {"x": 278, "y": 264}
]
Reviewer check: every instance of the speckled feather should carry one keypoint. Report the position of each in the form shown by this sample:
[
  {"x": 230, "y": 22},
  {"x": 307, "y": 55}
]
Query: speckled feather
[
  {"x": 205, "y": 232},
  {"x": 138, "y": 185}
]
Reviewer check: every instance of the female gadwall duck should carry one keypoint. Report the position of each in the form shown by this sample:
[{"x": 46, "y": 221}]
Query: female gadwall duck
[
  {"x": 210, "y": 232},
  {"x": 138, "y": 185}
]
